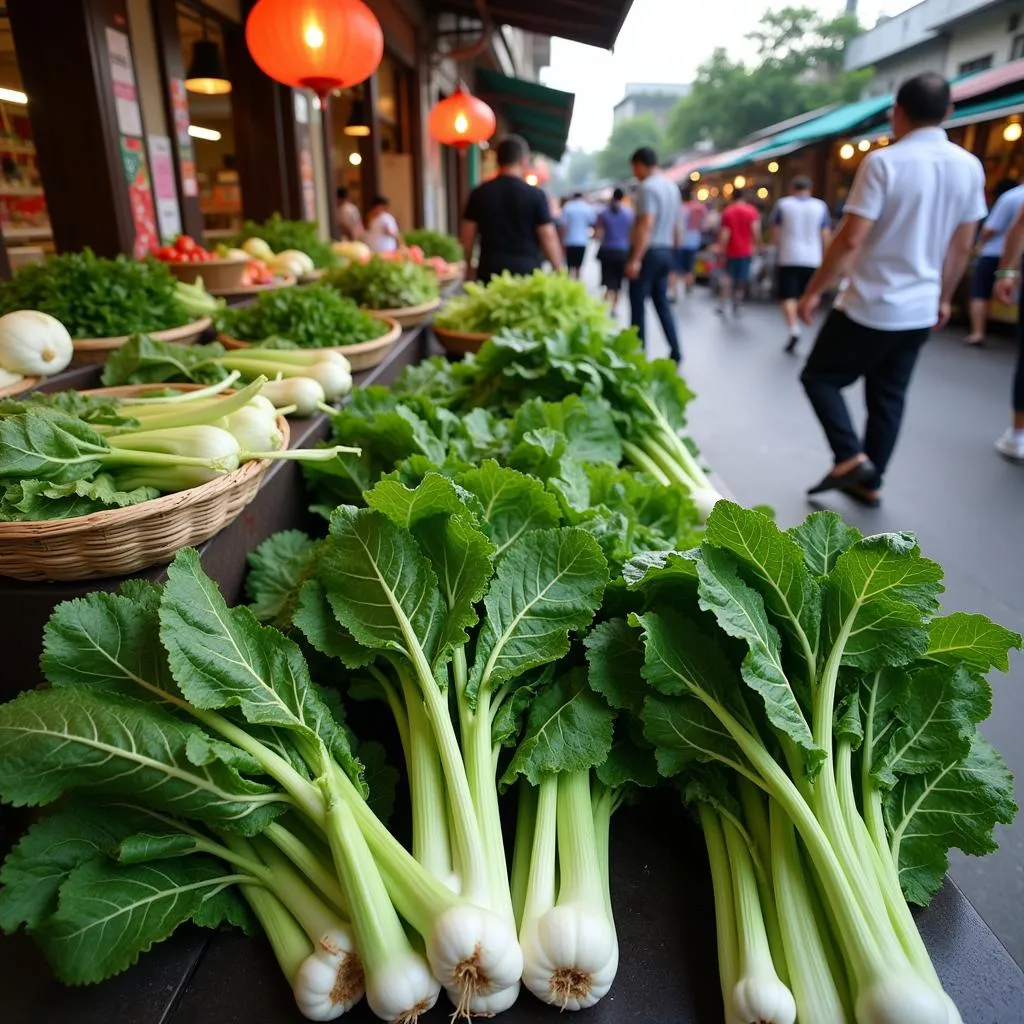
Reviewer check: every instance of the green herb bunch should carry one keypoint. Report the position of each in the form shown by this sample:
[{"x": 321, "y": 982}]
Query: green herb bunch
[
  {"x": 281, "y": 234},
  {"x": 385, "y": 284},
  {"x": 435, "y": 243}
]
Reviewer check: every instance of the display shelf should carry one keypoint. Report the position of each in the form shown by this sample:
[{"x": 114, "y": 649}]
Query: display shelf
[
  {"x": 20, "y": 191},
  {"x": 26, "y": 231}
]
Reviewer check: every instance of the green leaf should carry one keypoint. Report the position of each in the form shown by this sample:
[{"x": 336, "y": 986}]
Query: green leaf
[
  {"x": 109, "y": 642},
  {"x": 277, "y": 569},
  {"x": 663, "y": 577},
  {"x": 40, "y": 500},
  {"x": 513, "y": 503},
  {"x": 145, "y": 360},
  {"x": 545, "y": 454},
  {"x": 881, "y": 695},
  {"x": 631, "y": 760},
  {"x": 682, "y": 731},
  {"x": 586, "y": 421},
  {"x": 380, "y": 777},
  {"x": 222, "y": 657},
  {"x": 876, "y": 601},
  {"x": 740, "y": 612},
  {"x": 51, "y": 849},
  {"x": 972, "y": 640},
  {"x": 144, "y": 847},
  {"x": 111, "y": 913},
  {"x": 548, "y": 583},
  {"x": 52, "y": 741},
  {"x": 315, "y": 619},
  {"x": 49, "y": 446},
  {"x": 775, "y": 565},
  {"x": 380, "y": 585},
  {"x": 615, "y": 658},
  {"x": 823, "y": 537},
  {"x": 958, "y": 805},
  {"x": 568, "y": 728}
]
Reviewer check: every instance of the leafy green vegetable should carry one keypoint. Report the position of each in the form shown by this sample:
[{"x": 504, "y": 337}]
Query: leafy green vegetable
[
  {"x": 385, "y": 284},
  {"x": 38, "y": 500},
  {"x": 317, "y": 316},
  {"x": 97, "y": 298},
  {"x": 281, "y": 234},
  {"x": 143, "y": 360},
  {"x": 540, "y": 303},
  {"x": 435, "y": 243}
]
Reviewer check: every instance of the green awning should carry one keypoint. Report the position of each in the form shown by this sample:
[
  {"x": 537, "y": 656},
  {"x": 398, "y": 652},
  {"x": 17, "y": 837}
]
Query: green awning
[
  {"x": 541, "y": 115},
  {"x": 843, "y": 120},
  {"x": 990, "y": 110}
]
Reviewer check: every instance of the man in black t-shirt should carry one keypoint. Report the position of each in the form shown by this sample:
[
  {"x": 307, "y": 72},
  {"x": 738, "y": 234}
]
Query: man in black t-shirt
[{"x": 512, "y": 219}]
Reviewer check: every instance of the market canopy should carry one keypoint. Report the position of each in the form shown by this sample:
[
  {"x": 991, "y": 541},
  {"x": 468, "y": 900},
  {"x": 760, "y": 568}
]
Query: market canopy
[
  {"x": 541, "y": 115},
  {"x": 595, "y": 22}
]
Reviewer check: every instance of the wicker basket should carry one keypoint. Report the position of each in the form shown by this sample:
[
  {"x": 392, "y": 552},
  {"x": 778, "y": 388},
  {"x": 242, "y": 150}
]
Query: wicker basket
[
  {"x": 363, "y": 355},
  {"x": 252, "y": 289},
  {"x": 124, "y": 540},
  {"x": 95, "y": 350},
  {"x": 408, "y": 316},
  {"x": 222, "y": 275},
  {"x": 460, "y": 342},
  {"x": 19, "y": 387}
]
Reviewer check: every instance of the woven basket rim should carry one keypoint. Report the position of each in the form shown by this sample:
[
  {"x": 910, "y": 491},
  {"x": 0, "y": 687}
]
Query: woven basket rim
[
  {"x": 254, "y": 289},
  {"x": 447, "y": 332},
  {"x": 400, "y": 311},
  {"x": 358, "y": 348},
  {"x": 19, "y": 387},
  {"x": 175, "y": 503},
  {"x": 170, "y": 334}
]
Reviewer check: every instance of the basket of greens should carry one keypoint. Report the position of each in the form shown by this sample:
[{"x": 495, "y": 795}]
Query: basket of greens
[
  {"x": 538, "y": 304},
  {"x": 282, "y": 235},
  {"x": 400, "y": 289},
  {"x": 315, "y": 317},
  {"x": 103, "y": 302},
  {"x": 435, "y": 243}
]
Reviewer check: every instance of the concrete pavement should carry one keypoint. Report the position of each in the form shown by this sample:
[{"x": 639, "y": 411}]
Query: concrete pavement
[{"x": 945, "y": 483}]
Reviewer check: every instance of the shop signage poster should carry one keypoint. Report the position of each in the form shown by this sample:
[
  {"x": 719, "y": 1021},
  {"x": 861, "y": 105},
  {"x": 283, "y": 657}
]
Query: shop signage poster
[
  {"x": 132, "y": 147},
  {"x": 186, "y": 154},
  {"x": 168, "y": 213},
  {"x": 307, "y": 176}
]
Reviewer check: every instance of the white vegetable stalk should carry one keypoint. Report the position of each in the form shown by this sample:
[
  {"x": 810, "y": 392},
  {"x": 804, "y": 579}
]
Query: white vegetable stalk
[
  {"x": 34, "y": 344},
  {"x": 304, "y": 393},
  {"x": 144, "y": 405},
  {"x": 759, "y": 996},
  {"x": 399, "y": 985},
  {"x": 725, "y": 917},
  {"x": 570, "y": 951},
  {"x": 255, "y": 429}
]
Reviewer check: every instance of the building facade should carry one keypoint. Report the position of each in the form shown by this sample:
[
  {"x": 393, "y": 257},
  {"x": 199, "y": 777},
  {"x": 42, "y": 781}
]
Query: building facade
[
  {"x": 953, "y": 37},
  {"x": 641, "y": 98}
]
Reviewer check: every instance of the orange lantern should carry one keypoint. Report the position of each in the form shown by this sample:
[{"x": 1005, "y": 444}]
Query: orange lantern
[
  {"x": 461, "y": 120},
  {"x": 321, "y": 45}
]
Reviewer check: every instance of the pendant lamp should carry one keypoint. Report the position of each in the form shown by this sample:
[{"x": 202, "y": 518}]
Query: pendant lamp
[
  {"x": 461, "y": 120},
  {"x": 321, "y": 45},
  {"x": 206, "y": 73},
  {"x": 358, "y": 124}
]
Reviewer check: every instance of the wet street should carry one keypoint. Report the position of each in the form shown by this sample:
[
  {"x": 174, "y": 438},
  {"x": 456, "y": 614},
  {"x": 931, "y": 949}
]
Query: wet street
[{"x": 945, "y": 483}]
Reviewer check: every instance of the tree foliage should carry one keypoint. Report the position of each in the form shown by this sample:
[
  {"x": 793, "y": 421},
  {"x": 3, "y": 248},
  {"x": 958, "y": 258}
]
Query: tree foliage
[
  {"x": 626, "y": 138},
  {"x": 799, "y": 68}
]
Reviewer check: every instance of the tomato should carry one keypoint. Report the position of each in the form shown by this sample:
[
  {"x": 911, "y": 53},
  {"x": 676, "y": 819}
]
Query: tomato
[
  {"x": 167, "y": 253},
  {"x": 415, "y": 254},
  {"x": 185, "y": 243}
]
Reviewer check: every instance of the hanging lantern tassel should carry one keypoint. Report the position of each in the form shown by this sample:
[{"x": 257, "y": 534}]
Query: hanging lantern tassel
[
  {"x": 321, "y": 45},
  {"x": 461, "y": 120}
]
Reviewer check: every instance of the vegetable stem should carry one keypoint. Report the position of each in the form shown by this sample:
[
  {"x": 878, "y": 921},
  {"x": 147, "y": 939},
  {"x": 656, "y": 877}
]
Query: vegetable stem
[{"x": 725, "y": 916}]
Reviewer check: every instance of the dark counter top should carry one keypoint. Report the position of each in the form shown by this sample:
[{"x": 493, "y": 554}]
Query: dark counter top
[{"x": 667, "y": 972}]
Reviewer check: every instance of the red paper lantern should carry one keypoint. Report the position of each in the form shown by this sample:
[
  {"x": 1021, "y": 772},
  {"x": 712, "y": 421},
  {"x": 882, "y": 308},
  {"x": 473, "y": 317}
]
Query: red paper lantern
[
  {"x": 321, "y": 45},
  {"x": 461, "y": 120}
]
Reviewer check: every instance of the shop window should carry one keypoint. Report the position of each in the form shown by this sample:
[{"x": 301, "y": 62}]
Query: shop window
[
  {"x": 213, "y": 132},
  {"x": 1017, "y": 49},
  {"x": 24, "y": 219},
  {"x": 978, "y": 64}
]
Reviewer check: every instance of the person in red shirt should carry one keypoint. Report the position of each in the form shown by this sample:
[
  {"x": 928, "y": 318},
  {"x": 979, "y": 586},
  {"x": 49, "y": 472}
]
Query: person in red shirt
[{"x": 739, "y": 239}]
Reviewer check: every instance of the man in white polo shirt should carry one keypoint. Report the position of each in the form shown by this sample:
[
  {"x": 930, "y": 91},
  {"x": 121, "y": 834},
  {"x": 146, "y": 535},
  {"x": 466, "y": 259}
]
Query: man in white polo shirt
[{"x": 908, "y": 228}]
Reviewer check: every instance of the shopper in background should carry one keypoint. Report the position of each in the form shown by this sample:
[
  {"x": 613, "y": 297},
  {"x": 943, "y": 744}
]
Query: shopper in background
[
  {"x": 908, "y": 228},
  {"x": 382, "y": 234},
  {"x": 1009, "y": 200},
  {"x": 350, "y": 223},
  {"x": 576, "y": 222},
  {"x": 1007, "y": 288},
  {"x": 512, "y": 219},
  {"x": 739, "y": 238},
  {"x": 651, "y": 250},
  {"x": 613, "y": 228},
  {"x": 801, "y": 228},
  {"x": 693, "y": 216}
]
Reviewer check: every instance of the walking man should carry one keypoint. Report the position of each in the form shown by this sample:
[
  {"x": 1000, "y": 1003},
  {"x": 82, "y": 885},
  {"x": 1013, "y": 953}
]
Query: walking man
[
  {"x": 801, "y": 229},
  {"x": 1007, "y": 288},
  {"x": 907, "y": 232},
  {"x": 578, "y": 217},
  {"x": 511, "y": 217},
  {"x": 651, "y": 251},
  {"x": 739, "y": 238}
]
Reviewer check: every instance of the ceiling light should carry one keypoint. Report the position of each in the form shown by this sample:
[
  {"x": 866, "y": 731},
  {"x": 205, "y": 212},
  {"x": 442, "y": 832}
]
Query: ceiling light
[
  {"x": 1013, "y": 131},
  {"x": 358, "y": 123},
  {"x": 208, "y": 134},
  {"x": 739, "y": 181},
  {"x": 13, "y": 96},
  {"x": 702, "y": 194},
  {"x": 206, "y": 73},
  {"x": 773, "y": 167},
  {"x": 846, "y": 151},
  {"x": 762, "y": 193},
  {"x": 864, "y": 145},
  {"x": 355, "y": 159},
  {"x": 694, "y": 175}
]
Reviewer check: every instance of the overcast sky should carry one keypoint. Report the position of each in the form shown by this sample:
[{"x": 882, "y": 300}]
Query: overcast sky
[{"x": 658, "y": 47}]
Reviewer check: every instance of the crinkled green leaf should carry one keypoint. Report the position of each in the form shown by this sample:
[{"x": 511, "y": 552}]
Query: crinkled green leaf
[
  {"x": 53, "y": 741},
  {"x": 315, "y": 619},
  {"x": 823, "y": 537},
  {"x": 972, "y": 640},
  {"x": 586, "y": 421},
  {"x": 568, "y": 729},
  {"x": 740, "y": 612},
  {"x": 955, "y": 806},
  {"x": 663, "y": 577},
  {"x": 631, "y": 761},
  {"x": 876, "y": 601},
  {"x": 682, "y": 731},
  {"x": 615, "y": 658},
  {"x": 548, "y": 582},
  {"x": 40, "y": 500},
  {"x": 145, "y": 360},
  {"x": 49, "y": 447},
  {"x": 277, "y": 570},
  {"x": 545, "y": 454}
]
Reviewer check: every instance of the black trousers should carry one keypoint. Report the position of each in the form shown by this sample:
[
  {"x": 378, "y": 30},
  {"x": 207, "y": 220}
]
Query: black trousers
[
  {"x": 653, "y": 281},
  {"x": 844, "y": 352},
  {"x": 1018, "y": 376}
]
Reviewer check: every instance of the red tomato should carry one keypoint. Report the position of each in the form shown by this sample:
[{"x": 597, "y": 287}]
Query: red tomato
[
  {"x": 167, "y": 253},
  {"x": 415, "y": 254},
  {"x": 185, "y": 243}
]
